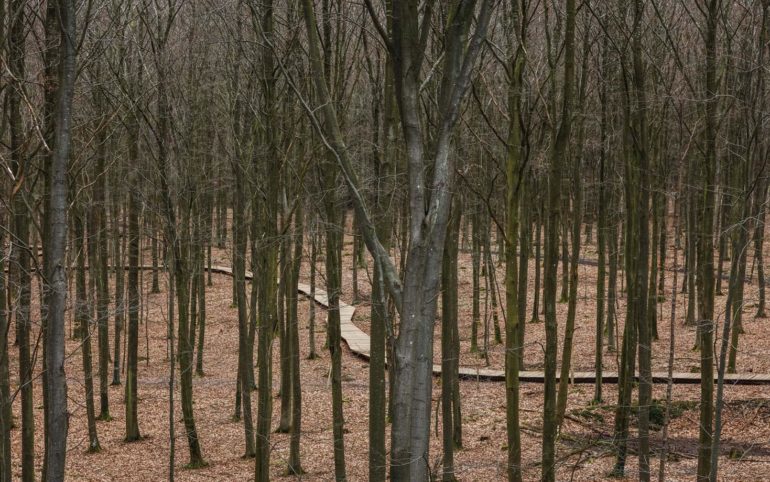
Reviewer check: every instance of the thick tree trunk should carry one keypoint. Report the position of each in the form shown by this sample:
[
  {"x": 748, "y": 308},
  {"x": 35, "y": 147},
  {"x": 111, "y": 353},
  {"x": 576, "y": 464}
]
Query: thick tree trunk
[
  {"x": 429, "y": 211},
  {"x": 54, "y": 252}
]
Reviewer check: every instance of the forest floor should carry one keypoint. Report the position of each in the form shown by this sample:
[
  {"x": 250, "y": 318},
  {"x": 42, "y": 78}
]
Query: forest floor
[{"x": 585, "y": 450}]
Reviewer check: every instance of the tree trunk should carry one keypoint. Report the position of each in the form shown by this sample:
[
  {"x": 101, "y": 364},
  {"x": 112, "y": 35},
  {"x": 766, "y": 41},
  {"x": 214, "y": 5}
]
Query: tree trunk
[
  {"x": 333, "y": 263},
  {"x": 569, "y": 328},
  {"x": 19, "y": 264},
  {"x": 449, "y": 333},
  {"x": 601, "y": 228},
  {"x": 83, "y": 324},
  {"x": 525, "y": 236},
  {"x": 558, "y": 155},
  {"x": 267, "y": 256},
  {"x": 54, "y": 251},
  {"x": 99, "y": 270},
  {"x": 538, "y": 255},
  {"x": 185, "y": 347},
  {"x": 284, "y": 261},
  {"x": 706, "y": 241},
  {"x": 476, "y": 268},
  {"x": 294, "y": 466},
  {"x": 239, "y": 274},
  {"x": 311, "y": 322},
  {"x": 120, "y": 308},
  {"x": 416, "y": 297},
  {"x": 132, "y": 332},
  {"x": 6, "y": 412},
  {"x": 515, "y": 282},
  {"x": 200, "y": 279}
]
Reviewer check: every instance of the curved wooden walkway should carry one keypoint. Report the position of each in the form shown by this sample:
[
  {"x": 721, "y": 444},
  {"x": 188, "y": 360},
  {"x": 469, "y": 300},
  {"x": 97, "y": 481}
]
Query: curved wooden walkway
[{"x": 358, "y": 342}]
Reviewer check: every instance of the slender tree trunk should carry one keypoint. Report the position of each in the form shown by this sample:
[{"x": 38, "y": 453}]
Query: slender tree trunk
[
  {"x": 313, "y": 260},
  {"x": 559, "y": 154},
  {"x": 658, "y": 224},
  {"x": 643, "y": 281},
  {"x": 601, "y": 229},
  {"x": 200, "y": 279},
  {"x": 564, "y": 296},
  {"x": 154, "y": 254},
  {"x": 759, "y": 238},
  {"x": 99, "y": 270},
  {"x": 612, "y": 280},
  {"x": 243, "y": 394},
  {"x": 691, "y": 250},
  {"x": 515, "y": 296},
  {"x": 671, "y": 352},
  {"x": 525, "y": 237},
  {"x": 83, "y": 324},
  {"x": 706, "y": 241},
  {"x": 267, "y": 256},
  {"x": 538, "y": 255},
  {"x": 185, "y": 347},
  {"x": 284, "y": 260},
  {"x": 171, "y": 300},
  {"x": 333, "y": 263},
  {"x": 19, "y": 265},
  {"x": 739, "y": 218},
  {"x": 131, "y": 394},
  {"x": 120, "y": 308},
  {"x": 6, "y": 412},
  {"x": 476, "y": 268},
  {"x": 294, "y": 466},
  {"x": 724, "y": 209},
  {"x": 449, "y": 357},
  {"x": 569, "y": 328},
  {"x": 381, "y": 327}
]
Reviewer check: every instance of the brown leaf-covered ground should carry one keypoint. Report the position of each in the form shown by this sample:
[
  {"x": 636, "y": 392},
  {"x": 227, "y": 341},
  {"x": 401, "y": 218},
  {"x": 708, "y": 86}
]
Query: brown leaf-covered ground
[{"x": 584, "y": 447}]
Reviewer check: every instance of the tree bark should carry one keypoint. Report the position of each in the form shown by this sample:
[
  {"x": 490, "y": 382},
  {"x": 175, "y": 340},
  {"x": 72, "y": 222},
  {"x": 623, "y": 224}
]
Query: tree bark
[
  {"x": 54, "y": 251},
  {"x": 83, "y": 325},
  {"x": 449, "y": 339},
  {"x": 558, "y": 154},
  {"x": 705, "y": 277}
]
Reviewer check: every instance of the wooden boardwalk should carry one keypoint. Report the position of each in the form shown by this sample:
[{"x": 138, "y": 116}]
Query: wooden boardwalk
[{"x": 358, "y": 342}]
